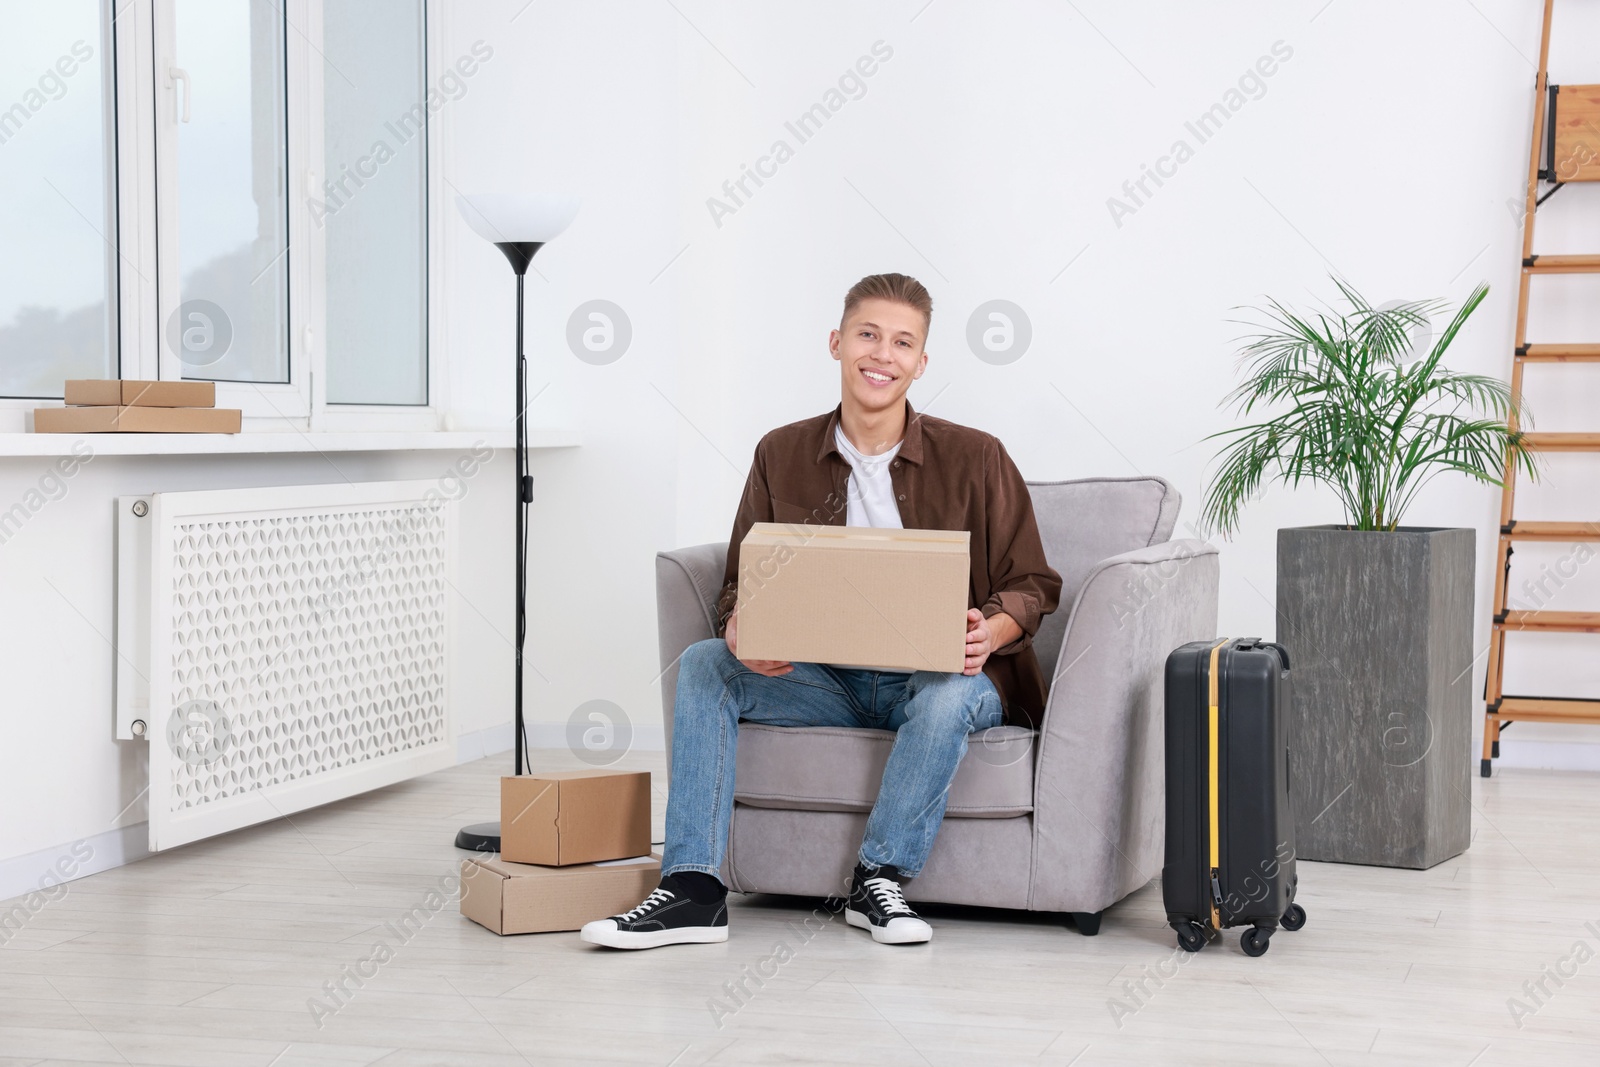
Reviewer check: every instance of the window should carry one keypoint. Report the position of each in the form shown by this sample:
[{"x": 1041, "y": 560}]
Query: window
[
  {"x": 375, "y": 136},
  {"x": 58, "y": 270},
  {"x": 234, "y": 191},
  {"x": 222, "y": 183}
]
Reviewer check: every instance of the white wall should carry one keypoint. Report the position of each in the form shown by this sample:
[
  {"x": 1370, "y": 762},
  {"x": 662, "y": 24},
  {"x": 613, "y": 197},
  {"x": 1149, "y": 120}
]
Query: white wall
[{"x": 980, "y": 159}]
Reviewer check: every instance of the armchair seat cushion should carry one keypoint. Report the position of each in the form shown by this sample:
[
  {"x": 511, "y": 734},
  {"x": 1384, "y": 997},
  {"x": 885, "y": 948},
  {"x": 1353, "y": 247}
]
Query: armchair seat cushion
[{"x": 830, "y": 768}]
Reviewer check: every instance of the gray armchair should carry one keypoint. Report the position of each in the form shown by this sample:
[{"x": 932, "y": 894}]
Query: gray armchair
[{"x": 1066, "y": 818}]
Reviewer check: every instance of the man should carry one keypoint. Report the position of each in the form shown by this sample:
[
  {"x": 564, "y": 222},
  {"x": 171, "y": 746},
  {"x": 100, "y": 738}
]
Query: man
[{"x": 872, "y": 461}]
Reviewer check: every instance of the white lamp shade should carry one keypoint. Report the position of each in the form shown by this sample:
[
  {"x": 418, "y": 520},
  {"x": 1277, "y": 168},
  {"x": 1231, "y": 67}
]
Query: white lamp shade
[{"x": 500, "y": 217}]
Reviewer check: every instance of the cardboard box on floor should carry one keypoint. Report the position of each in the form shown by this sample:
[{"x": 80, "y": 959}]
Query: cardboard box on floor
[
  {"x": 855, "y": 595},
  {"x": 566, "y": 817},
  {"x": 518, "y": 898}
]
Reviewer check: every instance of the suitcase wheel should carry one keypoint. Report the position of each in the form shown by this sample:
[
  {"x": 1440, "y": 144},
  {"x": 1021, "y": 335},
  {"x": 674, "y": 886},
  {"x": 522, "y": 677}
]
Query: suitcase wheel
[
  {"x": 1294, "y": 918},
  {"x": 1191, "y": 936},
  {"x": 1255, "y": 941}
]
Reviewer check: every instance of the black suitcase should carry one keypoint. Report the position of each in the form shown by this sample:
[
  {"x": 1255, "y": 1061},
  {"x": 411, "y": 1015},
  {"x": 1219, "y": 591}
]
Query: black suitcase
[{"x": 1230, "y": 826}]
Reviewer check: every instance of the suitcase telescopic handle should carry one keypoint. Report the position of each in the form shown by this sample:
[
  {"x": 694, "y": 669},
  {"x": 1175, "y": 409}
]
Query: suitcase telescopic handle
[{"x": 1247, "y": 643}]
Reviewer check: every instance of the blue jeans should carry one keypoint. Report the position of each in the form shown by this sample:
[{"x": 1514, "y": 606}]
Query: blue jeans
[{"x": 931, "y": 713}]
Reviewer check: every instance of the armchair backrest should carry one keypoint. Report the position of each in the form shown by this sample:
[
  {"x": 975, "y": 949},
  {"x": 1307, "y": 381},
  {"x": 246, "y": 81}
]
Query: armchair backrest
[
  {"x": 1084, "y": 521},
  {"x": 1081, "y": 523}
]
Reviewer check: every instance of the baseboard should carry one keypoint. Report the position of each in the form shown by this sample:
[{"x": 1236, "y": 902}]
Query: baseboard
[
  {"x": 40, "y": 878},
  {"x": 647, "y": 738},
  {"x": 489, "y": 741},
  {"x": 494, "y": 740},
  {"x": 1548, "y": 755}
]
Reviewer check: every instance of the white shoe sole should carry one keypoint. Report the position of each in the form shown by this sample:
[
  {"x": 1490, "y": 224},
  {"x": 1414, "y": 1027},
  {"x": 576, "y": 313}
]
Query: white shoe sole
[
  {"x": 907, "y": 932},
  {"x": 605, "y": 932}
]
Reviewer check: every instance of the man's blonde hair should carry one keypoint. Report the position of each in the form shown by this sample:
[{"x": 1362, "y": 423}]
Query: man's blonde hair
[{"x": 899, "y": 288}]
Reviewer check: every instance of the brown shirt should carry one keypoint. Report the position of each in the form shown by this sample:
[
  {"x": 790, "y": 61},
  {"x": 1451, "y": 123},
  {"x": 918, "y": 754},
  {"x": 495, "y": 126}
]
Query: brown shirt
[{"x": 946, "y": 477}]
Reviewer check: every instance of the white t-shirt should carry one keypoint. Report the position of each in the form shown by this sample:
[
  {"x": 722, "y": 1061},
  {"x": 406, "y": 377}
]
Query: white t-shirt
[
  {"x": 871, "y": 501},
  {"x": 871, "y": 491}
]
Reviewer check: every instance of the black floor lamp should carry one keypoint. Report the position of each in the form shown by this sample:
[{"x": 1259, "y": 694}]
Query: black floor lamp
[{"x": 518, "y": 224}]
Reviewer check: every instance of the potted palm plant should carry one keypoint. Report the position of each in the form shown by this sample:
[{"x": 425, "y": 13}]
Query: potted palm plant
[{"x": 1378, "y": 617}]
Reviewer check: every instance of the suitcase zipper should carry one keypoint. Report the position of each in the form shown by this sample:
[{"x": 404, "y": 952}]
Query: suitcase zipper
[{"x": 1212, "y": 776}]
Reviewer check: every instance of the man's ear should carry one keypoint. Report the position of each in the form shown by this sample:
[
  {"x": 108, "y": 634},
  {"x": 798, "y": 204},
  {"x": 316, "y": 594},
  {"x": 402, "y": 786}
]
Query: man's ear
[
  {"x": 833, "y": 343},
  {"x": 922, "y": 365}
]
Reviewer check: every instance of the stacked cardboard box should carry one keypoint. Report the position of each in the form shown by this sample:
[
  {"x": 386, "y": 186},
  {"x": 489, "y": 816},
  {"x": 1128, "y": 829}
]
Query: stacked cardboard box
[
  {"x": 114, "y": 405},
  {"x": 574, "y": 846},
  {"x": 520, "y": 898}
]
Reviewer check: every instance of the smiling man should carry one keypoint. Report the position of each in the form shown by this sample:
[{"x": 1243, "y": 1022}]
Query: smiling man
[{"x": 872, "y": 461}]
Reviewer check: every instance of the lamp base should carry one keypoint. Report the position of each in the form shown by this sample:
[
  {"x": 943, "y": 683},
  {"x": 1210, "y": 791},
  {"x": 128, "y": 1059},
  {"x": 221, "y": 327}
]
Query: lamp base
[{"x": 479, "y": 837}]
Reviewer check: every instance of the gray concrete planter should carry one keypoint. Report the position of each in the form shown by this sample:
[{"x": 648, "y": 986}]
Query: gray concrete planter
[{"x": 1379, "y": 632}]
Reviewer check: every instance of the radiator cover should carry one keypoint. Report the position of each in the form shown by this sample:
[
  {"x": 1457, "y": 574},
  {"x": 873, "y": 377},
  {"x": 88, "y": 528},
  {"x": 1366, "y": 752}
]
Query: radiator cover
[{"x": 282, "y": 647}]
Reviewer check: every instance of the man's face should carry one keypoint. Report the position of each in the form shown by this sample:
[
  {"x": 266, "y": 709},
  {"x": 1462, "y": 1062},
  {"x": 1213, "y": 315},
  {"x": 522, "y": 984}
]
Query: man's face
[{"x": 879, "y": 349}]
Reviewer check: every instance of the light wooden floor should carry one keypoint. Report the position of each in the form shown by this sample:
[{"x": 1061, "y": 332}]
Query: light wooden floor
[{"x": 209, "y": 955}]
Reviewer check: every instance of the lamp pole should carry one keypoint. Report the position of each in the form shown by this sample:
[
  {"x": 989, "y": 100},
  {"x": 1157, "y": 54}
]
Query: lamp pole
[
  {"x": 518, "y": 224},
  {"x": 520, "y": 255},
  {"x": 485, "y": 836},
  {"x": 524, "y": 499}
]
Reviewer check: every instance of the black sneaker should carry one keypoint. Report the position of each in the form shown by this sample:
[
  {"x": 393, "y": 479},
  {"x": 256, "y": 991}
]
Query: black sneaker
[
  {"x": 876, "y": 904},
  {"x": 668, "y": 916}
]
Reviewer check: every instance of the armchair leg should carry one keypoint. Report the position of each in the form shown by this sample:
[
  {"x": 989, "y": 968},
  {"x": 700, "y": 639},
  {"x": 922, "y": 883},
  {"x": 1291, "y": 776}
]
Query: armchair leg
[{"x": 1087, "y": 922}]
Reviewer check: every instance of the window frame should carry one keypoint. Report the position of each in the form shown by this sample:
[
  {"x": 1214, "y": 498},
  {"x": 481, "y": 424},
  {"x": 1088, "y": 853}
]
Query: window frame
[{"x": 142, "y": 102}]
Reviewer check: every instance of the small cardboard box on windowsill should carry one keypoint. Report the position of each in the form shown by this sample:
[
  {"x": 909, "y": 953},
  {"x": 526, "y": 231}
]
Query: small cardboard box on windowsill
[
  {"x": 519, "y": 898},
  {"x": 559, "y": 818},
  {"x": 135, "y": 418},
  {"x": 132, "y": 392},
  {"x": 856, "y": 595},
  {"x": 126, "y": 405}
]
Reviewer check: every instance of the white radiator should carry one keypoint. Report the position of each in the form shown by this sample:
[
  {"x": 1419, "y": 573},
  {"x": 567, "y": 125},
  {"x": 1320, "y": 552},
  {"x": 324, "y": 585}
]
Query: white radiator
[{"x": 283, "y": 647}]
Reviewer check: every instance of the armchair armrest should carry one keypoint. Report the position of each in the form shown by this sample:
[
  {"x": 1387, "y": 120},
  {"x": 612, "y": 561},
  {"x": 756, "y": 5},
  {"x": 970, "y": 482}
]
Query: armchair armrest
[
  {"x": 1099, "y": 787},
  {"x": 688, "y": 581}
]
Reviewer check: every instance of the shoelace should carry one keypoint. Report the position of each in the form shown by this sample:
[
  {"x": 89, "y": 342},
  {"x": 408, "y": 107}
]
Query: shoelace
[
  {"x": 656, "y": 898},
  {"x": 890, "y": 900}
]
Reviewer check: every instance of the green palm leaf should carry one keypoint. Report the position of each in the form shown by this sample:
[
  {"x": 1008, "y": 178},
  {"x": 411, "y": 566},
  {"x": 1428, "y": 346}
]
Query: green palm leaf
[{"x": 1360, "y": 412}]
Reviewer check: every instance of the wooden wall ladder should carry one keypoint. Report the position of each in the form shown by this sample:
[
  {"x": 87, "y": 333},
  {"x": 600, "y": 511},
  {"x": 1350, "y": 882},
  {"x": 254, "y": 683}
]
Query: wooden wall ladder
[{"x": 1566, "y": 124}]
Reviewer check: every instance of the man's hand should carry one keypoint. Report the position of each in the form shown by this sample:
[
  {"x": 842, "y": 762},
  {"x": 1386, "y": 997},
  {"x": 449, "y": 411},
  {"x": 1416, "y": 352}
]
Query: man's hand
[
  {"x": 769, "y": 667},
  {"x": 986, "y": 635}
]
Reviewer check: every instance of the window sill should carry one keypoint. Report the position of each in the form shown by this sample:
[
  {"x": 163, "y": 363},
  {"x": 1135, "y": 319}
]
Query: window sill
[{"x": 257, "y": 442}]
